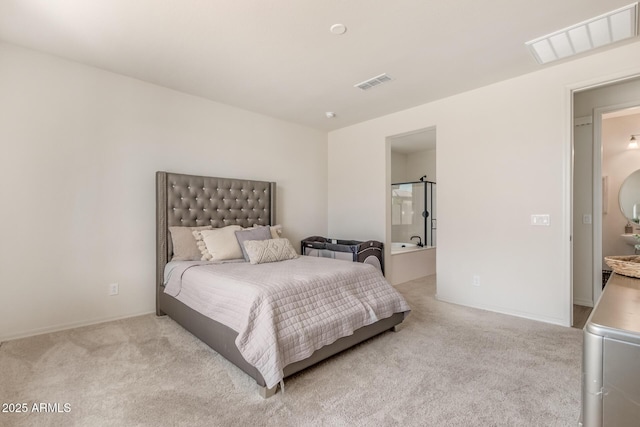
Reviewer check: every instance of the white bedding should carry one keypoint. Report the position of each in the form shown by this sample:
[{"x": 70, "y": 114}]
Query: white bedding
[{"x": 284, "y": 311}]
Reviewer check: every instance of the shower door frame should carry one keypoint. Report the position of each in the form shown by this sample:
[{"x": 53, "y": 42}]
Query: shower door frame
[{"x": 428, "y": 220}]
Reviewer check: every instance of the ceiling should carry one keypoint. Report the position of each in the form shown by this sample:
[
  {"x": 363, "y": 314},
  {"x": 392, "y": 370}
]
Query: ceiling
[{"x": 278, "y": 57}]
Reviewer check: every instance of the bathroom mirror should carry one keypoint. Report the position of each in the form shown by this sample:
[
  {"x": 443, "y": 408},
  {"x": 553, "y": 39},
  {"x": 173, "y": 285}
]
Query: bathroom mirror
[{"x": 630, "y": 197}]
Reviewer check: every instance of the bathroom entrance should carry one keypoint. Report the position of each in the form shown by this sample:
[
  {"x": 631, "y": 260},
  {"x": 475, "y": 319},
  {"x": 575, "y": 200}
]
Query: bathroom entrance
[
  {"x": 412, "y": 206},
  {"x": 605, "y": 118}
]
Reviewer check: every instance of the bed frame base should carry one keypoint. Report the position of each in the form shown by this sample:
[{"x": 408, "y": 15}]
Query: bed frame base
[
  {"x": 221, "y": 338},
  {"x": 177, "y": 204},
  {"x": 266, "y": 393}
]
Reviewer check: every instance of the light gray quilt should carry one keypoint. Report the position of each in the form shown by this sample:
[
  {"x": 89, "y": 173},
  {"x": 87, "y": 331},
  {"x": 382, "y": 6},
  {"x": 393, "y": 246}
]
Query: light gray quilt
[{"x": 284, "y": 311}]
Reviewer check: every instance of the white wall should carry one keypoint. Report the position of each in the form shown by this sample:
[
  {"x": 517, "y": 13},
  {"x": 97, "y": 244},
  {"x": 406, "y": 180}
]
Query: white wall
[
  {"x": 80, "y": 147},
  {"x": 618, "y": 162},
  {"x": 422, "y": 163},
  {"x": 398, "y": 167},
  {"x": 503, "y": 154},
  {"x": 410, "y": 167},
  {"x": 583, "y": 267}
]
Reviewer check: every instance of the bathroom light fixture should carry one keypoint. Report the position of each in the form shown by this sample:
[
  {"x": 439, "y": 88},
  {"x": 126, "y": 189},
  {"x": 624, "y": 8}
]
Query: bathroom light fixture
[
  {"x": 330, "y": 115},
  {"x": 611, "y": 27},
  {"x": 633, "y": 143}
]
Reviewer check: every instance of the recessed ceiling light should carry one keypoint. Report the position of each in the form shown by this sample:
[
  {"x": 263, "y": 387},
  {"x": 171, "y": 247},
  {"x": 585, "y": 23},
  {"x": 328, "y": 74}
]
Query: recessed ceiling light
[
  {"x": 330, "y": 114},
  {"x": 338, "y": 29},
  {"x": 612, "y": 27}
]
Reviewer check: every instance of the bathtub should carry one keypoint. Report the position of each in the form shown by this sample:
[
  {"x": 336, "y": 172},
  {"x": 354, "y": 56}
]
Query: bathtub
[
  {"x": 397, "y": 247},
  {"x": 410, "y": 261}
]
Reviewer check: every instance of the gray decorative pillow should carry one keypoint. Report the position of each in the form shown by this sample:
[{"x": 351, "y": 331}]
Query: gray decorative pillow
[
  {"x": 184, "y": 244},
  {"x": 272, "y": 250},
  {"x": 257, "y": 233},
  {"x": 276, "y": 230}
]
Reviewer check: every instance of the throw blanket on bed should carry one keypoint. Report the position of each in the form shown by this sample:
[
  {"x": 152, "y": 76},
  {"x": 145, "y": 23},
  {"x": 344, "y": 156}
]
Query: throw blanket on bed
[{"x": 284, "y": 311}]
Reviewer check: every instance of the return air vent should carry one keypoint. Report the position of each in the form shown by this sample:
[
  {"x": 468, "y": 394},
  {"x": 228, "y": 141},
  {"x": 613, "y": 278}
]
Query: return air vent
[
  {"x": 375, "y": 81},
  {"x": 612, "y": 27}
]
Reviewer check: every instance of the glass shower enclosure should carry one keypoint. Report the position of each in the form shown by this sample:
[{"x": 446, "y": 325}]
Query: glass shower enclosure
[{"x": 413, "y": 213}]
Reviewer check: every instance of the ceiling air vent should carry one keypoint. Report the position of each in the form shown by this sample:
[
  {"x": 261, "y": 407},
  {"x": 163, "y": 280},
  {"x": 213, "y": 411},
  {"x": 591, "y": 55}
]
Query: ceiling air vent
[
  {"x": 375, "y": 81},
  {"x": 602, "y": 30}
]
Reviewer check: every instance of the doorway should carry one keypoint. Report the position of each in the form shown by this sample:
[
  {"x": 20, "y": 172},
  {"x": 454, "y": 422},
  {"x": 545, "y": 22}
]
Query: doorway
[
  {"x": 598, "y": 152},
  {"x": 411, "y": 205}
]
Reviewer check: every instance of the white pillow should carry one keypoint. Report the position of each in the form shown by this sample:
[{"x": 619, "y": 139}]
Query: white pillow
[
  {"x": 184, "y": 244},
  {"x": 276, "y": 231},
  {"x": 219, "y": 244},
  {"x": 272, "y": 250}
]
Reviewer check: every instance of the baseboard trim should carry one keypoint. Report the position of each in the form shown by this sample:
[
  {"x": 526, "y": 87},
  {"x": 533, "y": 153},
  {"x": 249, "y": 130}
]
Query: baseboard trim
[
  {"x": 524, "y": 315},
  {"x": 582, "y": 302},
  {"x": 67, "y": 326}
]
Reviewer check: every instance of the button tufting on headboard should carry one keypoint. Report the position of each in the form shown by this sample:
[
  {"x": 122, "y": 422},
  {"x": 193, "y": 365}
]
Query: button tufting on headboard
[{"x": 194, "y": 200}]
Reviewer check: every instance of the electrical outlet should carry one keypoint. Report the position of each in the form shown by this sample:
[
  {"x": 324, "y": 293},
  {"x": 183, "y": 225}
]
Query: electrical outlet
[
  {"x": 476, "y": 280},
  {"x": 113, "y": 289}
]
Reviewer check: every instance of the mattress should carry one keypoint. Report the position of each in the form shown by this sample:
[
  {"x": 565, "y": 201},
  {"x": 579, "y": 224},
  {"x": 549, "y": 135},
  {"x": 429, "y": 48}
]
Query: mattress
[{"x": 284, "y": 311}]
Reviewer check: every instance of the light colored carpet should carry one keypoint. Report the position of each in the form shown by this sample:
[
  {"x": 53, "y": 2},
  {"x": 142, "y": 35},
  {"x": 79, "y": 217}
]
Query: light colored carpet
[{"x": 447, "y": 366}]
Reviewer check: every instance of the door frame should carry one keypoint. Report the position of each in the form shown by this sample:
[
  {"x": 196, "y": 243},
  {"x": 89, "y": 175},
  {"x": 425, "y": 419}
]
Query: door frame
[
  {"x": 598, "y": 190},
  {"x": 597, "y": 172}
]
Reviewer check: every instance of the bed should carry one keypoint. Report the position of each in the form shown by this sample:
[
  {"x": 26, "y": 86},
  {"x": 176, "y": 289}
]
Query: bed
[{"x": 198, "y": 201}]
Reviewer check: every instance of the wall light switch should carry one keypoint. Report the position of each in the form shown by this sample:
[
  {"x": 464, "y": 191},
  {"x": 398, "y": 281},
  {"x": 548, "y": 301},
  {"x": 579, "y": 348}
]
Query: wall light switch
[
  {"x": 586, "y": 219},
  {"x": 544, "y": 219}
]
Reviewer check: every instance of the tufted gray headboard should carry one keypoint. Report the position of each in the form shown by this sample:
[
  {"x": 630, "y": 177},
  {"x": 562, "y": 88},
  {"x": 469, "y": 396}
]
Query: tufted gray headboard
[{"x": 188, "y": 200}]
